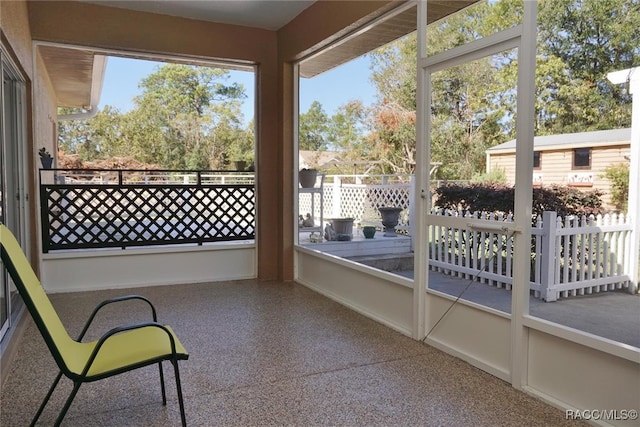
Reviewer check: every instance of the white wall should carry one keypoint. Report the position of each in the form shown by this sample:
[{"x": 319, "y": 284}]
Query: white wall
[
  {"x": 376, "y": 294},
  {"x": 571, "y": 375},
  {"x": 479, "y": 335},
  {"x": 108, "y": 269}
]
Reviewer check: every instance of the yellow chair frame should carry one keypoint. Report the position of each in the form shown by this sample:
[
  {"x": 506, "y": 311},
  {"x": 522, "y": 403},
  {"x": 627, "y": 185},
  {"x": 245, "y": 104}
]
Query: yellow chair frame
[{"x": 119, "y": 350}]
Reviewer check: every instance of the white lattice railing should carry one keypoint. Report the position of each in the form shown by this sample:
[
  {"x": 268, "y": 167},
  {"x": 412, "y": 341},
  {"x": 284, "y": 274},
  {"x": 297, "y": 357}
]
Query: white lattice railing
[
  {"x": 574, "y": 256},
  {"x": 358, "y": 197}
]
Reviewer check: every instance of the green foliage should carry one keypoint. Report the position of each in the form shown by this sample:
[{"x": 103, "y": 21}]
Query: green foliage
[
  {"x": 618, "y": 176},
  {"x": 566, "y": 200},
  {"x": 474, "y": 105},
  {"x": 392, "y": 140},
  {"x": 186, "y": 117},
  {"x": 579, "y": 43},
  {"x": 345, "y": 128},
  {"x": 563, "y": 200},
  {"x": 314, "y": 128},
  {"x": 496, "y": 176}
]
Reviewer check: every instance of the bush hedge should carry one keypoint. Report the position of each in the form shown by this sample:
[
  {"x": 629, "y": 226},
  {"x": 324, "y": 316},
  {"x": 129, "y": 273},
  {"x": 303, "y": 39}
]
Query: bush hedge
[{"x": 563, "y": 200}]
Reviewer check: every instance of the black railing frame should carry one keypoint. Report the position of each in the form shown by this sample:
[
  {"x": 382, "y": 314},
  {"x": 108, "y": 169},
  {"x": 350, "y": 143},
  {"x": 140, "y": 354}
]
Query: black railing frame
[{"x": 246, "y": 223}]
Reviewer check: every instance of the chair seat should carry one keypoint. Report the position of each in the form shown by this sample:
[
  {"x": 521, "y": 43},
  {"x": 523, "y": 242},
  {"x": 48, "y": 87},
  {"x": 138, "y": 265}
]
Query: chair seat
[{"x": 123, "y": 350}]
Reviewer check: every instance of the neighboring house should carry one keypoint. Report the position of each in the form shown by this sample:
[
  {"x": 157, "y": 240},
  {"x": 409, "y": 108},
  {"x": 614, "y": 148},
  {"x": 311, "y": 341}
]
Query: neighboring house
[
  {"x": 573, "y": 159},
  {"x": 317, "y": 159}
]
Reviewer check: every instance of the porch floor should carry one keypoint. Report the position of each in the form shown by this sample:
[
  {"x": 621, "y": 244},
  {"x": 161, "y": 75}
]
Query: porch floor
[
  {"x": 612, "y": 314},
  {"x": 268, "y": 353}
]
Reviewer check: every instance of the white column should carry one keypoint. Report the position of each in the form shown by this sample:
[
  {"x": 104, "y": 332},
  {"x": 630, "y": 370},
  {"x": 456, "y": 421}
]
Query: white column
[
  {"x": 336, "y": 197},
  {"x": 632, "y": 77},
  {"x": 420, "y": 204},
  {"x": 523, "y": 193}
]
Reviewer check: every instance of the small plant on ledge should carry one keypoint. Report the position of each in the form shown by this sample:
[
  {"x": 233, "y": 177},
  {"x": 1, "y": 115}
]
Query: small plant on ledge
[{"x": 45, "y": 158}]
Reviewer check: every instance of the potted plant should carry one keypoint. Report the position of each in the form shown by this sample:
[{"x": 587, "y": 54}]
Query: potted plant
[
  {"x": 45, "y": 158},
  {"x": 370, "y": 220},
  {"x": 369, "y": 231},
  {"x": 307, "y": 177},
  {"x": 390, "y": 218}
]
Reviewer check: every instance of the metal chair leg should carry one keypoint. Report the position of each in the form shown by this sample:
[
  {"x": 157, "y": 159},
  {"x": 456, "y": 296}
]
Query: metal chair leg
[
  {"x": 76, "y": 387},
  {"x": 164, "y": 393},
  {"x": 46, "y": 399},
  {"x": 179, "y": 387}
]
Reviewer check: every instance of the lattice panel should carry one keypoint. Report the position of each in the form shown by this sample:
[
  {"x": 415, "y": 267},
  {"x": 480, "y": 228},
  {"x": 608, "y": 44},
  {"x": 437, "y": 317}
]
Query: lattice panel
[
  {"x": 96, "y": 216},
  {"x": 399, "y": 196},
  {"x": 328, "y": 201},
  {"x": 352, "y": 199},
  {"x": 361, "y": 202},
  {"x": 307, "y": 205}
]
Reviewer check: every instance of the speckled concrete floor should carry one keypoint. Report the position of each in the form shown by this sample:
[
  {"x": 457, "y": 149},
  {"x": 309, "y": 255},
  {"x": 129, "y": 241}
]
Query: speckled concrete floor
[{"x": 268, "y": 354}]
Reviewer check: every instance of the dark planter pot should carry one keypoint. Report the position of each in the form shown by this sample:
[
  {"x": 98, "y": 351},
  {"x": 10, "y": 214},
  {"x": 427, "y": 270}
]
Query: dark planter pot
[
  {"x": 241, "y": 165},
  {"x": 369, "y": 231},
  {"x": 307, "y": 178},
  {"x": 46, "y": 162},
  {"x": 390, "y": 218}
]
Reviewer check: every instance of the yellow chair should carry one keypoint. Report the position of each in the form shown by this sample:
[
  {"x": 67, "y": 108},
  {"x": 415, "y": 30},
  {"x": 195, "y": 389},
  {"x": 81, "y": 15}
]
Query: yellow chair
[{"x": 120, "y": 350}]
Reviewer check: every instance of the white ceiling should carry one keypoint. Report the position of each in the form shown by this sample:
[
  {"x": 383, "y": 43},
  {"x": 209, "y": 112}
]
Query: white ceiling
[{"x": 267, "y": 14}]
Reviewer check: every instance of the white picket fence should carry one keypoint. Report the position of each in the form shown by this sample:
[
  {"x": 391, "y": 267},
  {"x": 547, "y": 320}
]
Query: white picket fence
[{"x": 569, "y": 257}]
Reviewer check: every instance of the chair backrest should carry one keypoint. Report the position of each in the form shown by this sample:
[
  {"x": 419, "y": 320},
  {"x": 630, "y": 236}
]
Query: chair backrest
[{"x": 35, "y": 298}]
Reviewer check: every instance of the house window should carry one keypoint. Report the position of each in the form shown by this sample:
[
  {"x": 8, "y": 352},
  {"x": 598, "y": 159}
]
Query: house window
[
  {"x": 536, "y": 159},
  {"x": 582, "y": 158}
]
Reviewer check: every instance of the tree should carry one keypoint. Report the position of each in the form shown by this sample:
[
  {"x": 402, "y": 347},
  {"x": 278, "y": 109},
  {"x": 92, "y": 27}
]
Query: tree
[
  {"x": 345, "y": 128},
  {"x": 196, "y": 112},
  {"x": 93, "y": 139},
  {"x": 580, "y": 42},
  {"x": 186, "y": 117},
  {"x": 468, "y": 111},
  {"x": 313, "y": 128},
  {"x": 474, "y": 106},
  {"x": 393, "y": 134},
  {"x": 186, "y": 89},
  {"x": 73, "y": 136}
]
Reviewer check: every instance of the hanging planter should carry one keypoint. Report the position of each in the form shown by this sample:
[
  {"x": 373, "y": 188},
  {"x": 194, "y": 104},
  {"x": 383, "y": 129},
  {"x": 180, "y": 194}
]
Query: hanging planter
[{"x": 307, "y": 178}]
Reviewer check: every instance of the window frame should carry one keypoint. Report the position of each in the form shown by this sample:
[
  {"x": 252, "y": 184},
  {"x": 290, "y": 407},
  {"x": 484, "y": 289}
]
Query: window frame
[
  {"x": 539, "y": 156},
  {"x": 574, "y": 157}
]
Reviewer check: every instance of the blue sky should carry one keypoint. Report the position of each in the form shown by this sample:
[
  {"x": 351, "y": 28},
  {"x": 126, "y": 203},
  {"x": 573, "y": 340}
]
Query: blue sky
[{"x": 332, "y": 89}]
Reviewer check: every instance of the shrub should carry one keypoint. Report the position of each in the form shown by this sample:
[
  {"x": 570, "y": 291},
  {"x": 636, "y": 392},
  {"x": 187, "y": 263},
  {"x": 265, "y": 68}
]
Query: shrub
[
  {"x": 618, "y": 176},
  {"x": 496, "y": 176},
  {"x": 500, "y": 198}
]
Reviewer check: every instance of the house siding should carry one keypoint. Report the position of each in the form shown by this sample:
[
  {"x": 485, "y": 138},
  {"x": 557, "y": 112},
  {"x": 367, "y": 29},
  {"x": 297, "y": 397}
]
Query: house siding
[{"x": 556, "y": 167}]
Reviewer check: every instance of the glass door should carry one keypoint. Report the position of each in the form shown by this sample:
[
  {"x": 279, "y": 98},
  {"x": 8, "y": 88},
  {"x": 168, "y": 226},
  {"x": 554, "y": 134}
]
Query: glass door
[{"x": 12, "y": 179}]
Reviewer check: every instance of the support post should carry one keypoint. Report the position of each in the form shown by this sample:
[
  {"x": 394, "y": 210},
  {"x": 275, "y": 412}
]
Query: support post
[
  {"x": 336, "y": 197},
  {"x": 631, "y": 76},
  {"x": 547, "y": 253}
]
